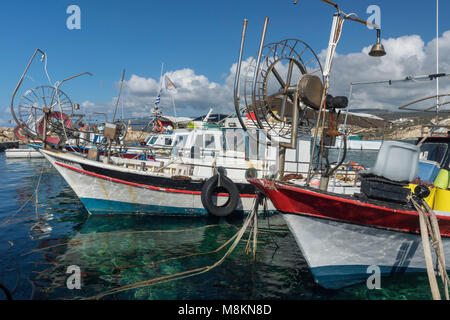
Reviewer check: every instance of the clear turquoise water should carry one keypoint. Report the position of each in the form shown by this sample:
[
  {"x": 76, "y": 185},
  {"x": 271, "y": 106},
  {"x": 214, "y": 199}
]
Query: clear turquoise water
[{"x": 119, "y": 250}]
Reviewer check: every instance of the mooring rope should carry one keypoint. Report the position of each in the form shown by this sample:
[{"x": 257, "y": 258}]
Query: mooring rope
[
  {"x": 429, "y": 226},
  {"x": 193, "y": 272},
  {"x": 93, "y": 237}
]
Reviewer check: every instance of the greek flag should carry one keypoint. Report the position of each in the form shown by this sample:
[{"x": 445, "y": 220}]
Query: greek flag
[{"x": 158, "y": 98}]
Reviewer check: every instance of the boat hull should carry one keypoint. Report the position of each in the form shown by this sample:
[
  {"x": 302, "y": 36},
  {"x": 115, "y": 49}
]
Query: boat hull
[
  {"x": 105, "y": 190},
  {"x": 344, "y": 240},
  {"x": 341, "y": 254}
]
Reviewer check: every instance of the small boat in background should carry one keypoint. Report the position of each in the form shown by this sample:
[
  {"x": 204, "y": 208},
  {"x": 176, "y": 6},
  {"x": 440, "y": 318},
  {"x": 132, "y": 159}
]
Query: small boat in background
[
  {"x": 16, "y": 153},
  {"x": 357, "y": 143}
]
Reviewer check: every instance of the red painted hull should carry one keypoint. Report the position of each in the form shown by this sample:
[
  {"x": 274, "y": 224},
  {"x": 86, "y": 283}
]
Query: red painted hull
[{"x": 305, "y": 201}]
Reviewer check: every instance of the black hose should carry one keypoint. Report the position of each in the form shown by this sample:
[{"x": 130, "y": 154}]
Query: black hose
[{"x": 343, "y": 157}]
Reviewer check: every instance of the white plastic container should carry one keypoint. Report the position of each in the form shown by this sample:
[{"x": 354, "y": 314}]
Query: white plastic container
[{"x": 396, "y": 161}]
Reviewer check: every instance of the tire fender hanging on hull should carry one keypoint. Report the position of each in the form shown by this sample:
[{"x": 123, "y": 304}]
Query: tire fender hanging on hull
[{"x": 212, "y": 187}]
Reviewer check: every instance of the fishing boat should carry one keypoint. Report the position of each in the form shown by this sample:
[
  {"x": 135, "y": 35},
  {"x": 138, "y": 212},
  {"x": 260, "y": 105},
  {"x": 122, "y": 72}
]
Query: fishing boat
[
  {"x": 186, "y": 184},
  {"x": 357, "y": 143},
  {"x": 342, "y": 236},
  {"x": 205, "y": 174}
]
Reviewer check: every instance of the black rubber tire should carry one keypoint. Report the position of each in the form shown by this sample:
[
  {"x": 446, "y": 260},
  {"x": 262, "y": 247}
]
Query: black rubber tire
[
  {"x": 6, "y": 291},
  {"x": 208, "y": 190}
]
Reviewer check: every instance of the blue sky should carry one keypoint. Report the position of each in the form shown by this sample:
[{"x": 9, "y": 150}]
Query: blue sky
[{"x": 200, "y": 35}]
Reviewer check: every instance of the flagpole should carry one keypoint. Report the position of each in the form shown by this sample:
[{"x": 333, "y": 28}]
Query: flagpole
[
  {"x": 174, "y": 109},
  {"x": 160, "y": 83},
  {"x": 160, "y": 77}
]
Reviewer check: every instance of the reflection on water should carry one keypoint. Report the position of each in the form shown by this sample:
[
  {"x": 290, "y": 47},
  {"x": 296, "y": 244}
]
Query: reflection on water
[{"x": 113, "y": 251}]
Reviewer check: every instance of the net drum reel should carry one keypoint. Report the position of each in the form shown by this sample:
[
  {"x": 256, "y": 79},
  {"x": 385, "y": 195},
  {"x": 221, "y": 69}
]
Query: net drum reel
[
  {"x": 31, "y": 113},
  {"x": 282, "y": 75},
  {"x": 307, "y": 90},
  {"x": 280, "y": 84},
  {"x": 45, "y": 112}
]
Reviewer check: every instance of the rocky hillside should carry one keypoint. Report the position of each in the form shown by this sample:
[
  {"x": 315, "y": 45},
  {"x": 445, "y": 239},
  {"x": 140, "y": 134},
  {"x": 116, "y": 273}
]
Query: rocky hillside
[{"x": 7, "y": 134}]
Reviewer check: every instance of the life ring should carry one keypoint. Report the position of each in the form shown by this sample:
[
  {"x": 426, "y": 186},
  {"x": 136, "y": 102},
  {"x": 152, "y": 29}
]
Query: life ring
[
  {"x": 355, "y": 166},
  {"x": 159, "y": 126},
  {"x": 211, "y": 188}
]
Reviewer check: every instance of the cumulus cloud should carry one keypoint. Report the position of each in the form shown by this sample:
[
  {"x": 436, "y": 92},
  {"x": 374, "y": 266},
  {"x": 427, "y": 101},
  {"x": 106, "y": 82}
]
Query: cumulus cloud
[{"x": 406, "y": 55}]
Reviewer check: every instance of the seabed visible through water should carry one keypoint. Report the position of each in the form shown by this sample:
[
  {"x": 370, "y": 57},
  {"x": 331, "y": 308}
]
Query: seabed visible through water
[{"x": 114, "y": 251}]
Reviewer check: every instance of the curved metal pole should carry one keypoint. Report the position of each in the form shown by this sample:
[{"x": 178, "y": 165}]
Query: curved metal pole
[
  {"x": 238, "y": 75},
  {"x": 21, "y": 80},
  {"x": 255, "y": 76},
  {"x": 60, "y": 83}
]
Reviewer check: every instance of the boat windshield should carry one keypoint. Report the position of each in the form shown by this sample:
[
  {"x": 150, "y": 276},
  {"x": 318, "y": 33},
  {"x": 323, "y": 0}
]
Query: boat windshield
[
  {"x": 433, "y": 152},
  {"x": 153, "y": 140},
  {"x": 148, "y": 139}
]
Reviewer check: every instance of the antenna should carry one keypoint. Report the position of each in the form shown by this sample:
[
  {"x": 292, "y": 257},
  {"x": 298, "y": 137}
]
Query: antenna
[{"x": 437, "y": 58}]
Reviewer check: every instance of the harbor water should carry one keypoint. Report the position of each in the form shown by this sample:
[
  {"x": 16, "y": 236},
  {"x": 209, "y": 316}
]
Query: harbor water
[{"x": 42, "y": 237}]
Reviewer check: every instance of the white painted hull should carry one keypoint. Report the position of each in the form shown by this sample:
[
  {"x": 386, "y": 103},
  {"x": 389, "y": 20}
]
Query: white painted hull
[
  {"x": 339, "y": 254},
  {"x": 109, "y": 196}
]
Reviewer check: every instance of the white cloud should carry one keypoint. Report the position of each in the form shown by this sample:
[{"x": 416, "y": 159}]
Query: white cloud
[{"x": 406, "y": 55}]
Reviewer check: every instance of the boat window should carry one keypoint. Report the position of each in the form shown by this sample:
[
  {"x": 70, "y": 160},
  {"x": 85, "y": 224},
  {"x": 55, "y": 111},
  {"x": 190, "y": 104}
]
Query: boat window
[
  {"x": 199, "y": 141},
  {"x": 180, "y": 141},
  {"x": 433, "y": 152},
  {"x": 209, "y": 141},
  {"x": 253, "y": 142},
  {"x": 235, "y": 140},
  {"x": 168, "y": 141}
]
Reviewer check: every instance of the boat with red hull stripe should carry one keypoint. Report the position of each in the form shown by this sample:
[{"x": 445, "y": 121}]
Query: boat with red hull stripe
[
  {"x": 345, "y": 238},
  {"x": 321, "y": 204}
]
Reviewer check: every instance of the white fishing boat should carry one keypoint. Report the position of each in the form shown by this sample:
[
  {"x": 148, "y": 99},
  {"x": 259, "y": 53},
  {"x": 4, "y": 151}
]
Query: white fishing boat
[
  {"x": 186, "y": 183},
  {"x": 22, "y": 153}
]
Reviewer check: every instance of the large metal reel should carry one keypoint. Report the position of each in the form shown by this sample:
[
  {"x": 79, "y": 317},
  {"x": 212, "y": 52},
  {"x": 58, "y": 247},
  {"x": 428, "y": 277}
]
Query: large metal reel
[
  {"x": 30, "y": 111},
  {"x": 269, "y": 90}
]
